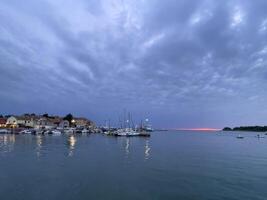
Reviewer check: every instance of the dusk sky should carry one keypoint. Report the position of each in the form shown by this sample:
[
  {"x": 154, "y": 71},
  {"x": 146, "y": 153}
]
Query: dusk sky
[{"x": 180, "y": 63}]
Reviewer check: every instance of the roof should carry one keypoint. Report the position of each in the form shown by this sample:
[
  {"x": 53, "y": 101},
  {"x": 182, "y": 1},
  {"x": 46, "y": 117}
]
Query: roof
[
  {"x": 82, "y": 119},
  {"x": 27, "y": 117},
  {"x": 56, "y": 120}
]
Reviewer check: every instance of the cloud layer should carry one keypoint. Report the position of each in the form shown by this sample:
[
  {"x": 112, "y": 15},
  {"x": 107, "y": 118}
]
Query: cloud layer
[{"x": 186, "y": 63}]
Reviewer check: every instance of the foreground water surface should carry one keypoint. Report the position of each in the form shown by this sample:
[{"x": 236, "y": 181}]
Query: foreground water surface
[{"x": 168, "y": 165}]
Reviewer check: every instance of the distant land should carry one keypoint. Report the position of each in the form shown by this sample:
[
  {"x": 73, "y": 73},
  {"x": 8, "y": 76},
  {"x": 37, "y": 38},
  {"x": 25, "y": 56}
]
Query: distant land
[{"x": 247, "y": 128}]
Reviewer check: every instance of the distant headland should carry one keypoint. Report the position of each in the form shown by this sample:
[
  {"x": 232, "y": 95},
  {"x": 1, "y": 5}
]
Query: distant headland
[{"x": 247, "y": 128}]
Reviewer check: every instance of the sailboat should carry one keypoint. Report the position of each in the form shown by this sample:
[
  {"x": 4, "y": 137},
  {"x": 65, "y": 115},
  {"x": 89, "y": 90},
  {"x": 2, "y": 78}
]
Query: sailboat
[{"x": 127, "y": 130}]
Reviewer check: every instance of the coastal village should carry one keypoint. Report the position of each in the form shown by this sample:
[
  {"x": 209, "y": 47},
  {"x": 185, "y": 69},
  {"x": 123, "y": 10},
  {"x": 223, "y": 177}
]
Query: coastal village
[
  {"x": 41, "y": 123},
  {"x": 57, "y": 125}
]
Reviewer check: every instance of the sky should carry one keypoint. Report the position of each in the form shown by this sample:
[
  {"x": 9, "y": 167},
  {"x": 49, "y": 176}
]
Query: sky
[{"x": 180, "y": 63}]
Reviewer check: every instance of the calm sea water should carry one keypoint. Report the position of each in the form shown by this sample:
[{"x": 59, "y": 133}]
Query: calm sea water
[{"x": 169, "y": 165}]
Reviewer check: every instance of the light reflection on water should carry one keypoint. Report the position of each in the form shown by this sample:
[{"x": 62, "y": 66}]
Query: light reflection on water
[
  {"x": 129, "y": 143},
  {"x": 71, "y": 144},
  {"x": 147, "y": 150},
  {"x": 7, "y": 143},
  {"x": 39, "y": 141},
  {"x": 174, "y": 165},
  {"x": 127, "y": 147}
]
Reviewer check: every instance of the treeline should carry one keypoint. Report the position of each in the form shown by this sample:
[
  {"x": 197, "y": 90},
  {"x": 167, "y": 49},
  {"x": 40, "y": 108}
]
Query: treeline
[{"x": 247, "y": 128}]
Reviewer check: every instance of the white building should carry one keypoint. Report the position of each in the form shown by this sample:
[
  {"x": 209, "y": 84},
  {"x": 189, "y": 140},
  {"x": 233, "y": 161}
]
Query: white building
[
  {"x": 45, "y": 123},
  {"x": 64, "y": 124},
  {"x": 12, "y": 121}
]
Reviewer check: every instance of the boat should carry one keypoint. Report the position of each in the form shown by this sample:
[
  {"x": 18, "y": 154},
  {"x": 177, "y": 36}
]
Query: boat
[
  {"x": 56, "y": 132},
  {"x": 69, "y": 131},
  {"x": 240, "y": 137},
  {"x": 4, "y": 131},
  {"x": 260, "y": 136},
  {"x": 147, "y": 127},
  {"x": 48, "y": 132},
  {"x": 78, "y": 131},
  {"x": 85, "y": 131},
  {"x": 25, "y": 132},
  {"x": 128, "y": 132},
  {"x": 40, "y": 132}
]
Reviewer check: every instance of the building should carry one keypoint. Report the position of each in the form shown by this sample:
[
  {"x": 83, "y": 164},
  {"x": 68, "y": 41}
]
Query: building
[
  {"x": 3, "y": 122},
  {"x": 45, "y": 123},
  {"x": 82, "y": 123},
  {"x": 64, "y": 124},
  {"x": 22, "y": 121},
  {"x": 12, "y": 122},
  {"x": 27, "y": 121},
  {"x": 55, "y": 120}
]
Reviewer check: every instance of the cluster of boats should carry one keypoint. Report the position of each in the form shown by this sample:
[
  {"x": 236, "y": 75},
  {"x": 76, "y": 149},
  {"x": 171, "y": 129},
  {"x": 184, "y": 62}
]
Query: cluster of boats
[
  {"x": 128, "y": 132},
  {"x": 126, "y": 129}
]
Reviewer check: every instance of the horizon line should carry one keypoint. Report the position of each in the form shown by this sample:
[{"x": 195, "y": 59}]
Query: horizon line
[{"x": 198, "y": 129}]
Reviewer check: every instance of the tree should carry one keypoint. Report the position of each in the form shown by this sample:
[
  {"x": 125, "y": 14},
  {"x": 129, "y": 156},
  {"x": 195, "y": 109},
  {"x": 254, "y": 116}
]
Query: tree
[
  {"x": 45, "y": 115},
  {"x": 69, "y": 118},
  {"x": 227, "y": 129}
]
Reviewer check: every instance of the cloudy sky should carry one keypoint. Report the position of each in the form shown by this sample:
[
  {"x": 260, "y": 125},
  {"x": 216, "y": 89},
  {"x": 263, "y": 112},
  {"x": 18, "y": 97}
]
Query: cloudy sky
[{"x": 181, "y": 63}]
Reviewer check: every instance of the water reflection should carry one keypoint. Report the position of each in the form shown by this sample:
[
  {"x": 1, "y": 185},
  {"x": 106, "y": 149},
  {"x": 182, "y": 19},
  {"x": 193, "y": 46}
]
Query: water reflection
[
  {"x": 39, "y": 142},
  {"x": 71, "y": 144},
  {"x": 7, "y": 143},
  {"x": 147, "y": 150},
  {"x": 127, "y": 147}
]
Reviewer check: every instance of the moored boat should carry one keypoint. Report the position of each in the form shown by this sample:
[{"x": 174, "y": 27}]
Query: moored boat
[
  {"x": 240, "y": 137},
  {"x": 128, "y": 132},
  {"x": 56, "y": 132},
  {"x": 4, "y": 131},
  {"x": 25, "y": 132}
]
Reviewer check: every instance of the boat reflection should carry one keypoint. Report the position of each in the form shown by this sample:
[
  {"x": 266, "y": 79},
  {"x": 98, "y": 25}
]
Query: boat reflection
[
  {"x": 7, "y": 143},
  {"x": 71, "y": 144},
  {"x": 127, "y": 147},
  {"x": 147, "y": 150}
]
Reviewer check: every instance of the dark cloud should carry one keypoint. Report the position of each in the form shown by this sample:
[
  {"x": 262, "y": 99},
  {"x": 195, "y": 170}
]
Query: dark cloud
[{"x": 182, "y": 63}]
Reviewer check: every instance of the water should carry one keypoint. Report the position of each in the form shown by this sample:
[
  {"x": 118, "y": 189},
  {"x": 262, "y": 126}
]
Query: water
[{"x": 169, "y": 165}]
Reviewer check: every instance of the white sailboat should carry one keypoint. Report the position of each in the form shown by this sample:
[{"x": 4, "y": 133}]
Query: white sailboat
[{"x": 128, "y": 132}]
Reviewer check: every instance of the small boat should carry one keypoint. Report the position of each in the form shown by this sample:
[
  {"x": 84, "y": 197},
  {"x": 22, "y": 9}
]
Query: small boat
[
  {"x": 78, "y": 131},
  {"x": 48, "y": 132},
  {"x": 56, "y": 132},
  {"x": 69, "y": 131},
  {"x": 240, "y": 137},
  {"x": 4, "y": 131},
  {"x": 260, "y": 136},
  {"x": 85, "y": 131},
  {"x": 25, "y": 132}
]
